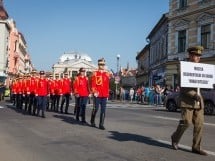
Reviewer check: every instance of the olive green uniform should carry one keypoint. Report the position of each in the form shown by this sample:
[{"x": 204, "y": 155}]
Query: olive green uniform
[{"x": 192, "y": 111}]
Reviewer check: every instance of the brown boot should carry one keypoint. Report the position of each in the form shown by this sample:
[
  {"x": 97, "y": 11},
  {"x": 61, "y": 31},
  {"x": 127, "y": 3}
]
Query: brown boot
[
  {"x": 200, "y": 152},
  {"x": 174, "y": 144}
]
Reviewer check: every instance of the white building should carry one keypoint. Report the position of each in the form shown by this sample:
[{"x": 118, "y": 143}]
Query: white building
[{"x": 72, "y": 62}]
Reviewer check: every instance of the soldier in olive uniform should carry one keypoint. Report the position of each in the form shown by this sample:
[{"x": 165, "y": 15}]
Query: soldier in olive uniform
[{"x": 192, "y": 109}]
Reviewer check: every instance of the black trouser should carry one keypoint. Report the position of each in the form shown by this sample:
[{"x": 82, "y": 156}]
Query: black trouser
[
  {"x": 66, "y": 98},
  {"x": 78, "y": 108},
  {"x": 56, "y": 102},
  {"x": 42, "y": 102},
  {"x": 13, "y": 98},
  {"x": 26, "y": 100},
  {"x": 82, "y": 105},
  {"x": 51, "y": 100},
  {"x": 102, "y": 101},
  {"x": 19, "y": 101},
  {"x": 76, "y": 105},
  {"x": 32, "y": 101}
]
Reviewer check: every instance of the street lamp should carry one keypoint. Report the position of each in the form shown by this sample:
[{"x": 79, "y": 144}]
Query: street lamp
[
  {"x": 117, "y": 73},
  {"x": 117, "y": 57}
]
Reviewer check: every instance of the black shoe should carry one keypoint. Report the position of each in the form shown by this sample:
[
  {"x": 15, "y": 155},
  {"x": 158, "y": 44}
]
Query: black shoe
[
  {"x": 200, "y": 152},
  {"x": 77, "y": 119},
  {"x": 84, "y": 122},
  {"x": 61, "y": 111},
  {"x": 43, "y": 116},
  {"x": 66, "y": 112},
  {"x": 93, "y": 124},
  {"x": 101, "y": 127},
  {"x": 174, "y": 144}
]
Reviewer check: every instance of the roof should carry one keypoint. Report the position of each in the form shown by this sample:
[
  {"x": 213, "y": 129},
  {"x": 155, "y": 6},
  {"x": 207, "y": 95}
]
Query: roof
[{"x": 74, "y": 56}]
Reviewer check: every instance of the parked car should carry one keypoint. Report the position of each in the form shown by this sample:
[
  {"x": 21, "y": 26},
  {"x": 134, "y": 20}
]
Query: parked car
[{"x": 171, "y": 101}]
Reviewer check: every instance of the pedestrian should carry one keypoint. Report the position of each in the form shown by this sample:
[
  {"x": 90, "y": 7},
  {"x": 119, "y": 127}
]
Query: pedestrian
[
  {"x": 26, "y": 90},
  {"x": 14, "y": 90},
  {"x": 57, "y": 91},
  {"x": 100, "y": 90},
  {"x": 81, "y": 92},
  {"x": 42, "y": 93},
  {"x": 66, "y": 91},
  {"x": 32, "y": 89},
  {"x": 131, "y": 94},
  {"x": 19, "y": 96},
  {"x": 51, "y": 91},
  {"x": 158, "y": 94},
  {"x": 192, "y": 109}
]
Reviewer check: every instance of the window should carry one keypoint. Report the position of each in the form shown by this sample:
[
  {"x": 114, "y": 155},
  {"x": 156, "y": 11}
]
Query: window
[
  {"x": 205, "y": 35},
  {"x": 15, "y": 46},
  {"x": 181, "y": 41},
  {"x": 182, "y": 3}
]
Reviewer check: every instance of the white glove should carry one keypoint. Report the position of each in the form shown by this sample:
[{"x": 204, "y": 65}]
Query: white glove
[
  {"x": 77, "y": 95},
  {"x": 96, "y": 94}
]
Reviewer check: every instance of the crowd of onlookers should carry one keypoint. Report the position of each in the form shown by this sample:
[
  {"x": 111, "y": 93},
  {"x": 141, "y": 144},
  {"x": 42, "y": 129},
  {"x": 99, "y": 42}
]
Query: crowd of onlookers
[{"x": 153, "y": 95}]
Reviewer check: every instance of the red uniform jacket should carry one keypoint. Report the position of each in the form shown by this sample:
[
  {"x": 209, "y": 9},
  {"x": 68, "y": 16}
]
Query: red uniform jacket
[
  {"x": 33, "y": 84},
  {"x": 100, "y": 83},
  {"x": 58, "y": 86},
  {"x": 26, "y": 86},
  {"x": 14, "y": 87},
  {"x": 81, "y": 86},
  {"x": 66, "y": 86},
  {"x": 19, "y": 88},
  {"x": 42, "y": 88},
  {"x": 51, "y": 86}
]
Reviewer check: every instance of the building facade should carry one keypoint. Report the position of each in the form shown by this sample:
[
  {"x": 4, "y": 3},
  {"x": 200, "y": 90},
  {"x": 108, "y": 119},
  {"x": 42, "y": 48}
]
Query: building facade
[
  {"x": 158, "y": 47},
  {"x": 190, "y": 23},
  {"x": 14, "y": 58},
  {"x": 4, "y": 40},
  {"x": 142, "y": 76}
]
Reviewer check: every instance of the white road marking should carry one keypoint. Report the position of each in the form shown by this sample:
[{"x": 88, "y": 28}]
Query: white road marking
[
  {"x": 185, "y": 147},
  {"x": 174, "y": 119},
  {"x": 1, "y": 107}
]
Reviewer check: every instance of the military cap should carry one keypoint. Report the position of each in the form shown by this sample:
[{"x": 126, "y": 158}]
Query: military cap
[
  {"x": 101, "y": 61},
  {"x": 57, "y": 75},
  {"x": 195, "y": 50},
  {"x": 20, "y": 76},
  {"x": 81, "y": 70},
  {"x": 33, "y": 71},
  {"x": 42, "y": 72}
]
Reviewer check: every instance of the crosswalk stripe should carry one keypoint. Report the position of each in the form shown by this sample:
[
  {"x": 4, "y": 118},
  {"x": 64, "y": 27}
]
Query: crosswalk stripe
[
  {"x": 174, "y": 119},
  {"x": 1, "y": 107},
  {"x": 184, "y": 146}
]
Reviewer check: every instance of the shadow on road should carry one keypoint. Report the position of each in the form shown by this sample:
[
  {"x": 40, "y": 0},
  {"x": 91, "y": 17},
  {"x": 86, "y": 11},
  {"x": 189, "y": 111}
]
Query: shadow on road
[
  {"x": 66, "y": 119},
  {"x": 21, "y": 111},
  {"x": 138, "y": 138},
  {"x": 142, "y": 139},
  {"x": 69, "y": 120}
]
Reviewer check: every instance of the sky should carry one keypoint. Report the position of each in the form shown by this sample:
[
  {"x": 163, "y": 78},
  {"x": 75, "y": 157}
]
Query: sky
[{"x": 98, "y": 28}]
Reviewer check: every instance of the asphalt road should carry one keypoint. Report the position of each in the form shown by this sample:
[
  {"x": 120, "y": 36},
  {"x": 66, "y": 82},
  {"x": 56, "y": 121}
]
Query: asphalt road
[{"x": 133, "y": 133}]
